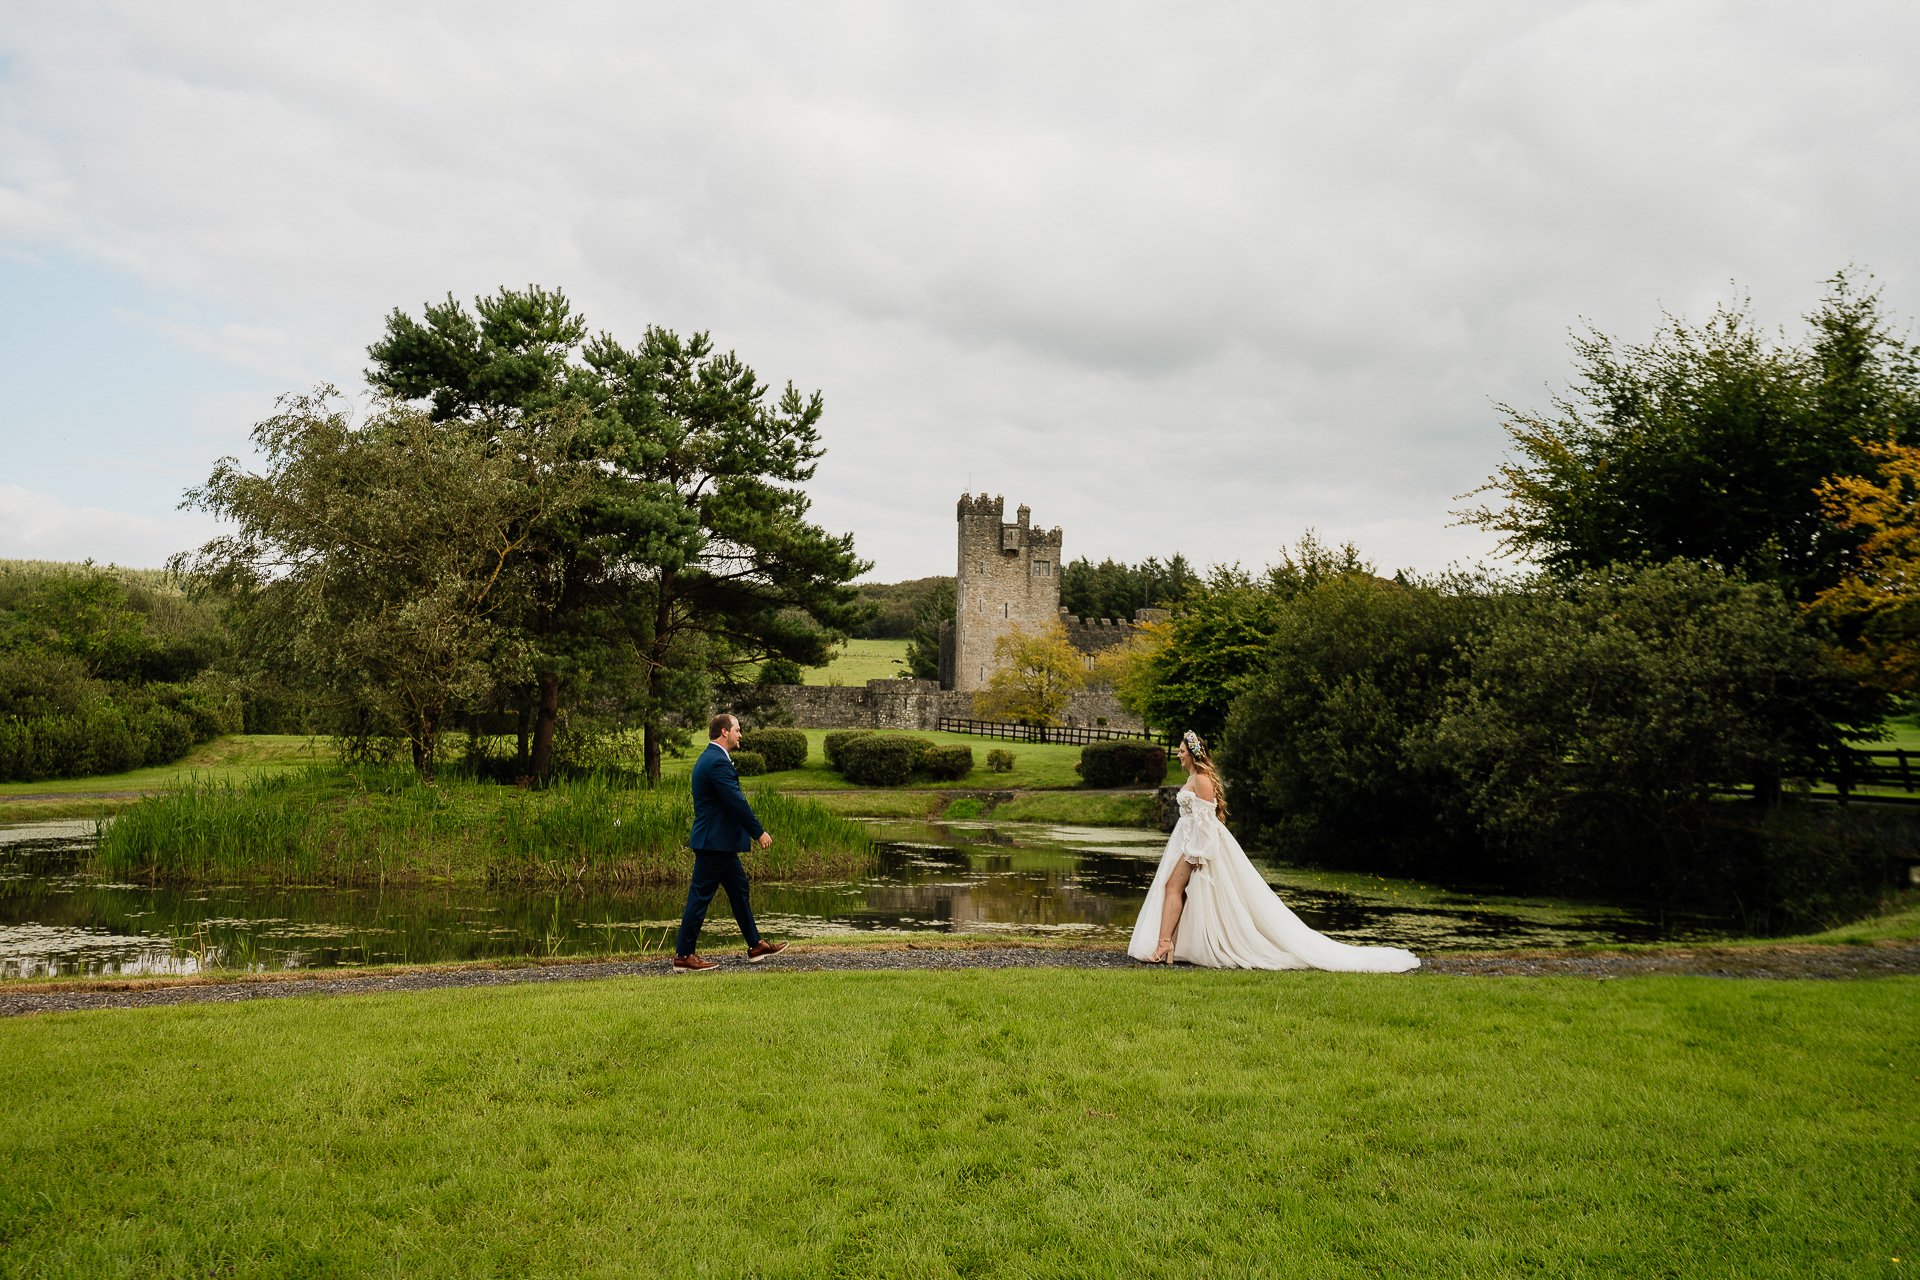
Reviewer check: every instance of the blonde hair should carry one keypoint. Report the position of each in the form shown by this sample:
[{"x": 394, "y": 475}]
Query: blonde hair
[{"x": 1203, "y": 763}]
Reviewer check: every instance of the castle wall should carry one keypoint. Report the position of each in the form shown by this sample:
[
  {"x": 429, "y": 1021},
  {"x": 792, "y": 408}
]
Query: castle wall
[
  {"x": 919, "y": 705},
  {"x": 1009, "y": 574}
]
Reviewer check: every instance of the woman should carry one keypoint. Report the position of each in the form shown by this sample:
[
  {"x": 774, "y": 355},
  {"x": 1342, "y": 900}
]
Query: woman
[{"x": 1210, "y": 907}]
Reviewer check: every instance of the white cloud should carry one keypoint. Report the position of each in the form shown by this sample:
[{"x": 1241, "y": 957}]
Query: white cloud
[
  {"x": 39, "y": 526},
  {"x": 1253, "y": 265}
]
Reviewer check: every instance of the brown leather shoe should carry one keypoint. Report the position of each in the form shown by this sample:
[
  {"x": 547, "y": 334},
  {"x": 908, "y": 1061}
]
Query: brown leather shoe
[
  {"x": 692, "y": 964},
  {"x": 761, "y": 950}
]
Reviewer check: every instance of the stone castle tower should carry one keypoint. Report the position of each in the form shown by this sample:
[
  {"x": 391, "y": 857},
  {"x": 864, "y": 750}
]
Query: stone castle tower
[{"x": 1009, "y": 573}]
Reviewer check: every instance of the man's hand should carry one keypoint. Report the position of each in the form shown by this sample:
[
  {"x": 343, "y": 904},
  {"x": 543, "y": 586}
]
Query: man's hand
[{"x": 766, "y": 839}]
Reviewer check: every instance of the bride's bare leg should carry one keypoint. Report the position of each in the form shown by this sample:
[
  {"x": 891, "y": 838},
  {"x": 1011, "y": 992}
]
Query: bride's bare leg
[{"x": 1176, "y": 901}]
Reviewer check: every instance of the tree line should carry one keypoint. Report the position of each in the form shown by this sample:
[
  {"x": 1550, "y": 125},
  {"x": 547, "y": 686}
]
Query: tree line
[{"x": 1725, "y": 529}]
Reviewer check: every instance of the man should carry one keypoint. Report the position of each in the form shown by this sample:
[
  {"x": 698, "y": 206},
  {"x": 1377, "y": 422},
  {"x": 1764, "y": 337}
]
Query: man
[{"x": 723, "y": 822}]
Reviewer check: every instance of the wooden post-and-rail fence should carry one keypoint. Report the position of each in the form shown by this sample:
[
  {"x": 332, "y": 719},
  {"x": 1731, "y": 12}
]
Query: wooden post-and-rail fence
[{"x": 1073, "y": 737}]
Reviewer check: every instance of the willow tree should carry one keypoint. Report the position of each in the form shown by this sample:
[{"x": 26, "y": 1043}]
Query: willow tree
[{"x": 378, "y": 567}]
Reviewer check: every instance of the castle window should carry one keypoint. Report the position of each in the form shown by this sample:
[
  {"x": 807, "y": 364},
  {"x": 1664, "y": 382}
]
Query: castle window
[
  {"x": 1089, "y": 661},
  {"x": 1006, "y": 611},
  {"x": 1042, "y": 569}
]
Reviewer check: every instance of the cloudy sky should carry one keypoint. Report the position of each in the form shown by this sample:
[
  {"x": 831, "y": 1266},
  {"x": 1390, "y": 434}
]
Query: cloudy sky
[{"x": 1182, "y": 276}]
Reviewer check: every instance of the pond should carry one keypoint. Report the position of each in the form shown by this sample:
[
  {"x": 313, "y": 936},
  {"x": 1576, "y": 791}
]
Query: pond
[{"x": 1017, "y": 880}]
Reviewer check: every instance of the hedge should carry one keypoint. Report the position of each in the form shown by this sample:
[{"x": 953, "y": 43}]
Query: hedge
[
  {"x": 948, "y": 764},
  {"x": 784, "y": 749},
  {"x": 1000, "y": 760},
  {"x": 882, "y": 760},
  {"x": 151, "y": 725},
  {"x": 1123, "y": 763},
  {"x": 835, "y": 743},
  {"x": 749, "y": 764}
]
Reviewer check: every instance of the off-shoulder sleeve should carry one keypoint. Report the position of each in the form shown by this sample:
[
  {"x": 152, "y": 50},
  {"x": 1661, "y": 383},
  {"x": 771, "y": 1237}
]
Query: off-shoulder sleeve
[{"x": 1202, "y": 830}]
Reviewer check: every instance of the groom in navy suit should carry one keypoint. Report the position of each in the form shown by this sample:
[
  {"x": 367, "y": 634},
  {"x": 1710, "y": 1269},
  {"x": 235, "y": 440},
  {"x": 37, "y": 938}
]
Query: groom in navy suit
[{"x": 723, "y": 822}]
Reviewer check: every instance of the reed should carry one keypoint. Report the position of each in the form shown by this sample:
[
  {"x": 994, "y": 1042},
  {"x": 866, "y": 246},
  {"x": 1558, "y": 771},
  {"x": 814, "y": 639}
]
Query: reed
[
  {"x": 600, "y": 828},
  {"x": 337, "y": 825}
]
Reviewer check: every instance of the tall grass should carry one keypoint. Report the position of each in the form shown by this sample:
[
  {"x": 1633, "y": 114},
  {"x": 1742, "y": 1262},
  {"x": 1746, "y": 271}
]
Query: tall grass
[
  {"x": 597, "y": 828},
  {"x": 372, "y": 824}
]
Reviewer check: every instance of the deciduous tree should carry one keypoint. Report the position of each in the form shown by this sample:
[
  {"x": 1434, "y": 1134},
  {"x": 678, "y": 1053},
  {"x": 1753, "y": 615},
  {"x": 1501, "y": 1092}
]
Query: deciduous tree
[
  {"x": 378, "y": 567},
  {"x": 1038, "y": 673},
  {"x": 1707, "y": 444},
  {"x": 1876, "y": 606}
]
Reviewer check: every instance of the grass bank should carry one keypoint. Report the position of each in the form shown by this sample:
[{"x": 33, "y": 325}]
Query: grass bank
[
  {"x": 325, "y": 824},
  {"x": 1081, "y": 809},
  {"x": 1047, "y": 1123},
  {"x": 234, "y": 758}
]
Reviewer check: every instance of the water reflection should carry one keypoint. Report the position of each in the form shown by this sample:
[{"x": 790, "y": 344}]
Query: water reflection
[{"x": 1012, "y": 879}]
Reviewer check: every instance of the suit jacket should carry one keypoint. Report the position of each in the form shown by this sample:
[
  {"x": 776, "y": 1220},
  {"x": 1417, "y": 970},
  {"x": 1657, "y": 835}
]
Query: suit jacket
[{"x": 723, "y": 821}]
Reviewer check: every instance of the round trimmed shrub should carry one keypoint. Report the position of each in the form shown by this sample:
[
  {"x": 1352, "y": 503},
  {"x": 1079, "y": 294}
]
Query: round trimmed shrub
[
  {"x": 749, "y": 764},
  {"x": 882, "y": 759},
  {"x": 948, "y": 763},
  {"x": 834, "y": 745},
  {"x": 1123, "y": 763},
  {"x": 1000, "y": 760},
  {"x": 784, "y": 748}
]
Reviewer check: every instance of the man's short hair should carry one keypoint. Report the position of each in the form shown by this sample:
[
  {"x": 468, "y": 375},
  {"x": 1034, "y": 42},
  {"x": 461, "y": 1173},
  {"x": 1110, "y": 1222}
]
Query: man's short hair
[{"x": 719, "y": 725}]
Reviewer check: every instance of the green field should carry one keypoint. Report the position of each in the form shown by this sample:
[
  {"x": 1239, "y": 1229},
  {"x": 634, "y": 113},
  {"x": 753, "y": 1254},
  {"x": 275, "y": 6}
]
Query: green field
[
  {"x": 1011, "y": 1123},
  {"x": 861, "y": 661}
]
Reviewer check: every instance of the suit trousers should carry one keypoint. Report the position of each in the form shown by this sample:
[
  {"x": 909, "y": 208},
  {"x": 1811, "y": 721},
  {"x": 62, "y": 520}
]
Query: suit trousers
[{"x": 715, "y": 869}]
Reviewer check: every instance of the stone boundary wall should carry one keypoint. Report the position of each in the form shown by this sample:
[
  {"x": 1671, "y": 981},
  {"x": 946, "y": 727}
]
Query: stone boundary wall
[{"x": 906, "y": 705}]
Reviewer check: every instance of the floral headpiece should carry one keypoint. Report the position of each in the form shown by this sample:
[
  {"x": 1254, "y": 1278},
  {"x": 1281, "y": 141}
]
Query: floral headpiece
[{"x": 1195, "y": 748}]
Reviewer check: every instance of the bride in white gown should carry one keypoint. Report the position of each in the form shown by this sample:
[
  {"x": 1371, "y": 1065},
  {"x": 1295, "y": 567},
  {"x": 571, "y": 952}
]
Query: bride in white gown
[{"x": 1210, "y": 907}]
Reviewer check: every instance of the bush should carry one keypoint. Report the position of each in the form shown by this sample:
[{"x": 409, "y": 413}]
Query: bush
[
  {"x": 1123, "y": 763},
  {"x": 882, "y": 760},
  {"x": 1593, "y": 729},
  {"x": 835, "y": 743},
  {"x": 784, "y": 749},
  {"x": 948, "y": 763},
  {"x": 1316, "y": 752},
  {"x": 1000, "y": 760},
  {"x": 164, "y": 736},
  {"x": 749, "y": 764}
]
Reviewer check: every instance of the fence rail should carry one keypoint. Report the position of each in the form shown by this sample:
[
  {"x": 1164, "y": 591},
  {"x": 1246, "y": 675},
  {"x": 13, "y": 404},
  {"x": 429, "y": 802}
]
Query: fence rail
[
  {"x": 1077, "y": 737},
  {"x": 1846, "y": 774}
]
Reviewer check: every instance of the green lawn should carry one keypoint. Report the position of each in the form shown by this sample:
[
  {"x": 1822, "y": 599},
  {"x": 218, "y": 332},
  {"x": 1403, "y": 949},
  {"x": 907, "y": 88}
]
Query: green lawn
[
  {"x": 861, "y": 661},
  {"x": 1013, "y": 1123},
  {"x": 228, "y": 759}
]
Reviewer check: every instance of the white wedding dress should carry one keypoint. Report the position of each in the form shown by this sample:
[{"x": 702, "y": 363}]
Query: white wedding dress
[{"x": 1232, "y": 920}]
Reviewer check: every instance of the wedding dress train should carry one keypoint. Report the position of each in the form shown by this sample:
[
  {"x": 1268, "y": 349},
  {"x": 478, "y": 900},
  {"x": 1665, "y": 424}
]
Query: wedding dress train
[{"x": 1232, "y": 920}]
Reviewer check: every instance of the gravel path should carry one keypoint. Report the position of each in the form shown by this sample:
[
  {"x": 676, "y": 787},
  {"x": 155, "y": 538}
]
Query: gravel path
[{"x": 1786, "y": 962}]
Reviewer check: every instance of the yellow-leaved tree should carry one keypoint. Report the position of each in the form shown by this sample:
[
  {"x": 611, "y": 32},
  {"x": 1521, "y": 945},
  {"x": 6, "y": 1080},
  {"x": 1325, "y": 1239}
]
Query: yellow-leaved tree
[
  {"x": 1876, "y": 607},
  {"x": 1039, "y": 672}
]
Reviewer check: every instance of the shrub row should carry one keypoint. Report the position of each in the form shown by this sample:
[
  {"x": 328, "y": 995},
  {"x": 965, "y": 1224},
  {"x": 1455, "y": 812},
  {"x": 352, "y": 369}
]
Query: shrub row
[
  {"x": 890, "y": 759},
  {"x": 102, "y": 740},
  {"x": 783, "y": 749},
  {"x": 1123, "y": 763},
  {"x": 152, "y": 725}
]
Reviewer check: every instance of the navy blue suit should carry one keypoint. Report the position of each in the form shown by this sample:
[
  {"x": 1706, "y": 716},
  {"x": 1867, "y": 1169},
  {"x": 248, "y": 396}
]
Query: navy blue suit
[{"x": 723, "y": 825}]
